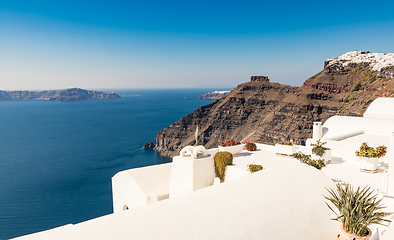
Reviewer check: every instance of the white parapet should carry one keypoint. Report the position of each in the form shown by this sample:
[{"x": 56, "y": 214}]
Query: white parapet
[
  {"x": 390, "y": 178},
  {"x": 317, "y": 130},
  {"x": 189, "y": 174}
]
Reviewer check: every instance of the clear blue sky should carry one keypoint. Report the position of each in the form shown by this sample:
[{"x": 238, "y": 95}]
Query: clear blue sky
[{"x": 167, "y": 44}]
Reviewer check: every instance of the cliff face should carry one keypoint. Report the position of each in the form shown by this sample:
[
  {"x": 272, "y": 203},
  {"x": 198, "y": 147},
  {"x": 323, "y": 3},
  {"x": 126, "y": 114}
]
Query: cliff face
[
  {"x": 266, "y": 112},
  {"x": 72, "y": 94}
]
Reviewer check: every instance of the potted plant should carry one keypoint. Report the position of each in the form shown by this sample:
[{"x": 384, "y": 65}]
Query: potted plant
[
  {"x": 356, "y": 210},
  {"x": 369, "y": 156},
  {"x": 250, "y": 146},
  {"x": 232, "y": 146},
  {"x": 285, "y": 148},
  {"x": 320, "y": 152}
]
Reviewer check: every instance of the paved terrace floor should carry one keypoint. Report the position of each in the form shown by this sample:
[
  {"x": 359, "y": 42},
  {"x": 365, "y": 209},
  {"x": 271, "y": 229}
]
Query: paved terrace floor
[{"x": 338, "y": 170}]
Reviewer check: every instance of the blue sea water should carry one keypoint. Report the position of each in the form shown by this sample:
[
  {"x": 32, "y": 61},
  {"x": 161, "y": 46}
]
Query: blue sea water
[{"x": 57, "y": 158}]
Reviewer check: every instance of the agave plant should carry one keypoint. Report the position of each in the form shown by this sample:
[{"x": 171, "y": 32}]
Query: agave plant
[{"x": 357, "y": 209}]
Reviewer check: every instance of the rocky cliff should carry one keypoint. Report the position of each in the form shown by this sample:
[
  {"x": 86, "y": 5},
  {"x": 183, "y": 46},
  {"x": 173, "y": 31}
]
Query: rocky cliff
[
  {"x": 72, "y": 94},
  {"x": 267, "y": 112}
]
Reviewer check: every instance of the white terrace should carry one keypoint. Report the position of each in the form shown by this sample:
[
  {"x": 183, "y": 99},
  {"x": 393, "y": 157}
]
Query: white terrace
[{"x": 182, "y": 199}]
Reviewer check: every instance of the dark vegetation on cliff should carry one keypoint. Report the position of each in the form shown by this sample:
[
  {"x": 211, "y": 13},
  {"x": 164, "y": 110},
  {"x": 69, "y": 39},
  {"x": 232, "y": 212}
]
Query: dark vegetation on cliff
[
  {"x": 266, "y": 112},
  {"x": 72, "y": 94}
]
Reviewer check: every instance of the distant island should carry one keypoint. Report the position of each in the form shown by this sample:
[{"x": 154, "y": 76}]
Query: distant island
[
  {"x": 132, "y": 95},
  {"x": 71, "y": 94},
  {"x": 213, "y": 95}
]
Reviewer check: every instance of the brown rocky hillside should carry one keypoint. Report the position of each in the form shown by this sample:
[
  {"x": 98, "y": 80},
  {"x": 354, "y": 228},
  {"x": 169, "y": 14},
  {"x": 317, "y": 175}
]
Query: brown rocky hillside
[{"x": 266, "y": 112}]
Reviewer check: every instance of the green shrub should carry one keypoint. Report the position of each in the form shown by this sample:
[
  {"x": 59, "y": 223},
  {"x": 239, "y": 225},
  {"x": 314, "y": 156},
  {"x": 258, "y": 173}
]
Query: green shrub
[
  {"x": 222, "y": 159},
  {"x": 250, "y": 146},
  {"x": 319, "y": 164},
  {"x": 289, "y": 143},
  {"x": 254, "y": 168}
]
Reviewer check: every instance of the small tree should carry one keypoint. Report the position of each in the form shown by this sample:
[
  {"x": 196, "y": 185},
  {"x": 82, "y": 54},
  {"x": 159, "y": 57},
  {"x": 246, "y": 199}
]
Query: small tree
[{"x": 318, "y": 148}]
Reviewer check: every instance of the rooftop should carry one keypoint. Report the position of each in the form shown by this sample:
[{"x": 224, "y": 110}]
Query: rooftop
[{"x": 167, "y": 221}]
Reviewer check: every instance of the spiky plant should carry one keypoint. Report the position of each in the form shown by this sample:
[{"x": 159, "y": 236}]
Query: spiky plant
[{"x": 357, "y": 209}]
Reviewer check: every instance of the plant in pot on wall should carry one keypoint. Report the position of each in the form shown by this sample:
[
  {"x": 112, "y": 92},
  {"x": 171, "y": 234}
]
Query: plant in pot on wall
[
  {"x": 356, "y": 210},
  {"x": 232, "y": 146},
  {"x": 320, "y": 152},
  {"x": 369, "y": 157},
  {"x": 285, "y": 148}
]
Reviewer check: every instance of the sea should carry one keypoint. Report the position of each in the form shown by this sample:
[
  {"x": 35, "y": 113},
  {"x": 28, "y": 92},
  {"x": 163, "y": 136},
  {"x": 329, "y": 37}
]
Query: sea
[{"x": 57, "y": 158}]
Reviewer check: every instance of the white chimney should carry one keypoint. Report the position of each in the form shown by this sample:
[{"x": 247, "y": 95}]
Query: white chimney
[{"x": 317, "y": 130}]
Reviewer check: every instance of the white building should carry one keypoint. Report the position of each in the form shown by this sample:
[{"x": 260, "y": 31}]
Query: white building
[{"x": 182, "y": 200}]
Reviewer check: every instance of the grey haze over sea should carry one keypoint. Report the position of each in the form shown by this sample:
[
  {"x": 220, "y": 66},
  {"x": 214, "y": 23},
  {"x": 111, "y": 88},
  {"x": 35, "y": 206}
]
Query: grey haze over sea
[{"x": 57, "y": 158}]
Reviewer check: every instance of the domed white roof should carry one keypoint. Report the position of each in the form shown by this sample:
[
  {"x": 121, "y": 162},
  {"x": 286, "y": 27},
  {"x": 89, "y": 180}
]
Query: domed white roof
[{"x": 381, "y": 108}]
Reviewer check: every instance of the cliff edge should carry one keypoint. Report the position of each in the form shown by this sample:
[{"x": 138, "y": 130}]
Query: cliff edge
[{"x": 267, "y": 112}]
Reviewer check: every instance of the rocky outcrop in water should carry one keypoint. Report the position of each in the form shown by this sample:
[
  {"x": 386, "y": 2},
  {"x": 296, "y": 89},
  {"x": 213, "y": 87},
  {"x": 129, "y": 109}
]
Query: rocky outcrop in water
[
  {"x": 266, "y": 112},
  {"x": 72, "y": 94},
  {"x": 149, "y": 145}
]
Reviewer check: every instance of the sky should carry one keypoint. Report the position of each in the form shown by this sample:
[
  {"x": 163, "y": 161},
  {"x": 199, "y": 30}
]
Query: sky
[{"x": 181, "y": 44}]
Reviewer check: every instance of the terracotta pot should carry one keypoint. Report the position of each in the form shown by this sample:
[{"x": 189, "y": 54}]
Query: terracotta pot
[{"x": 343, "y": 235}]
